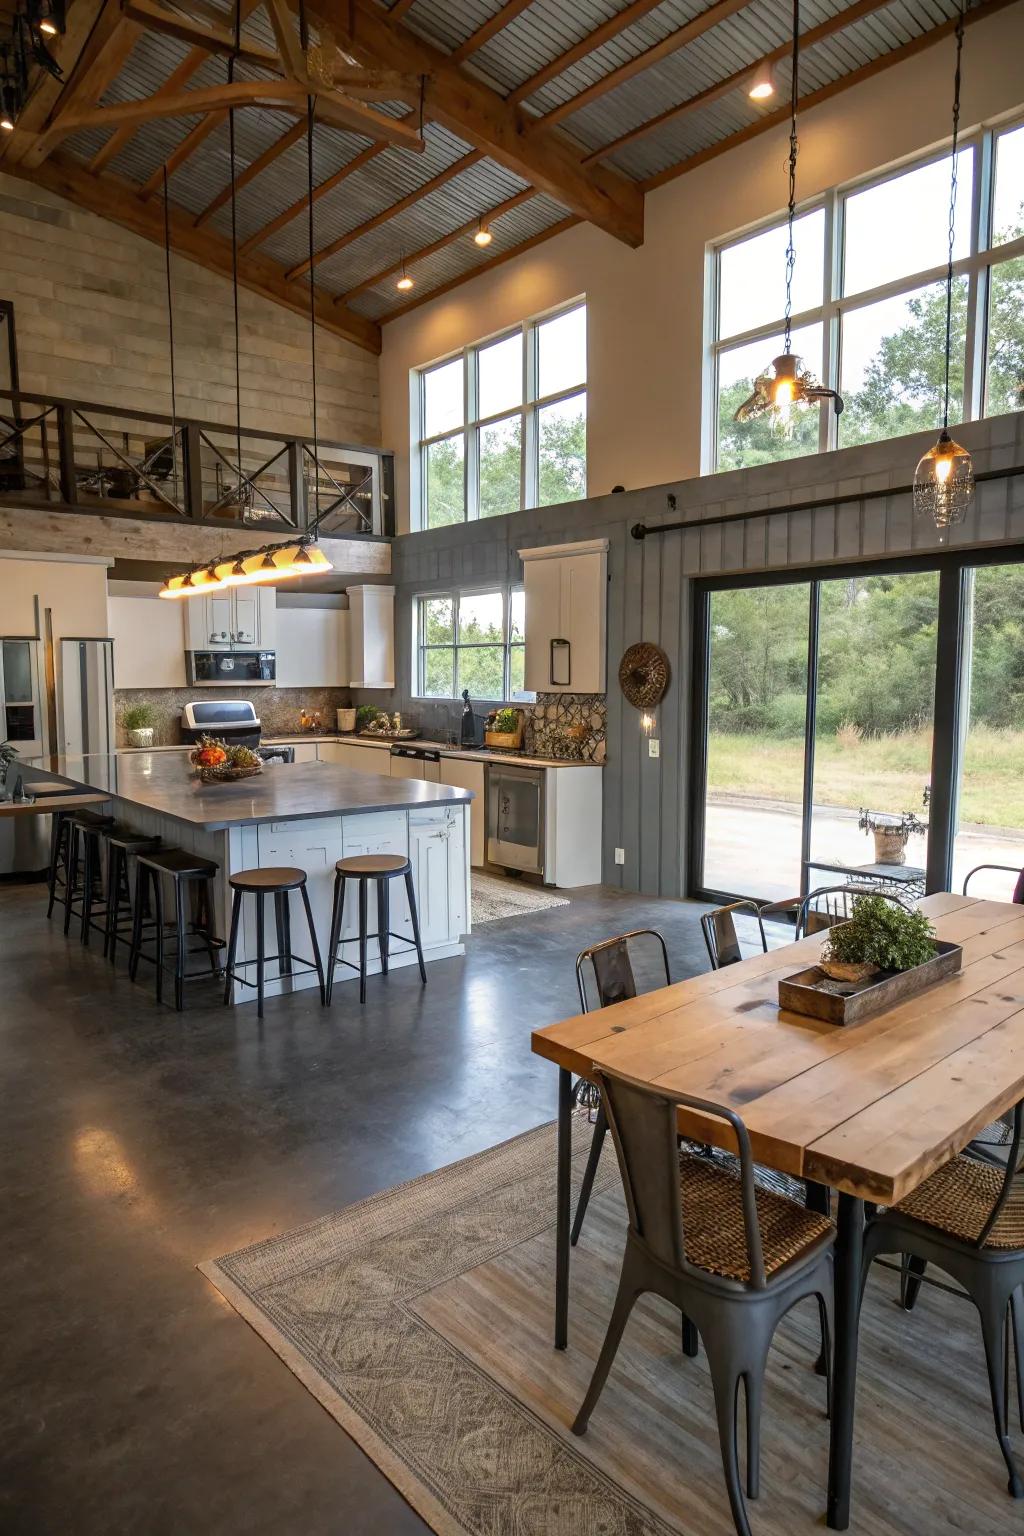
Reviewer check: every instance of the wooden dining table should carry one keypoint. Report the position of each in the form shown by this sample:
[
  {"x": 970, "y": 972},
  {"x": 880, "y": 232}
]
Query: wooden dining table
[{"x": 868, "y": 1110}]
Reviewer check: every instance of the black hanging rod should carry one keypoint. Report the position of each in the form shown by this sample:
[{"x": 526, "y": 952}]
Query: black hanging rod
[{"x": 641, "y": 531}]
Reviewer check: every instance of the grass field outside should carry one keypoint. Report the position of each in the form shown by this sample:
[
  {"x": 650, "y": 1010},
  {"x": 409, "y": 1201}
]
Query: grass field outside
[{"x": 884, "y": 773}]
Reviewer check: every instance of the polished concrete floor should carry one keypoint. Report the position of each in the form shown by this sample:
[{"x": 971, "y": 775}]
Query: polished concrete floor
[{"x": 137, "y": 1142}]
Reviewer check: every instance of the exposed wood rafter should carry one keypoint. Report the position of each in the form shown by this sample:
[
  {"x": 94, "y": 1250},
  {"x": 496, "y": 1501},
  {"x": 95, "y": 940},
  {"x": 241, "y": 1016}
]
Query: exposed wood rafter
[
  {"x": 475, "y": 112},
  {"x": 596, "y": 39},
  {"x": 490, "y": 28},
  {"x": 251, "y": 171},
  {"x": 260, "y": 236},
  {"x": 482, "y": 271},
  {"x": 461, "y": 233},
  {"x": 102, "y": 58},
  {"x": 114, "y": 199},
  {"x": 213, "y": 39},
  {"x": 390, "y": 212}
]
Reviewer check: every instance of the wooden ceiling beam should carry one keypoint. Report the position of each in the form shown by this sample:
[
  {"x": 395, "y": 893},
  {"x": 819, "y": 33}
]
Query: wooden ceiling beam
[
  {"x": 177, "y": 80},
  {"x": 715, "y": 13},
  {"x": 182, "y": 152},
  {"x": 825, "y": 92},
  {"x": 438, "y": 245},
  {"x": 102, "y": 57},
  {"x": 112, "y": 198},
  {"x": 44, "y": 90},
  {"x": 251, "y": 171},
  {"x": 596, "y": 39},
  {"x": 483, "y": 34},
  {"x": 495, "y": 261},
  {"x": 468, "y": 107},
  {"x": 212, "y": 39},
  {"x": 732, "y": 82},
  {"x": 327, "y": 185},
  {"x": 390, "y": 212}
]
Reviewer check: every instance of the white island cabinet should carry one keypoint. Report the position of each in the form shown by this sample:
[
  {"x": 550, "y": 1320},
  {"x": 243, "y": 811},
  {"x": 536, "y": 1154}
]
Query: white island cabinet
[{"x": 304, "y": 815}]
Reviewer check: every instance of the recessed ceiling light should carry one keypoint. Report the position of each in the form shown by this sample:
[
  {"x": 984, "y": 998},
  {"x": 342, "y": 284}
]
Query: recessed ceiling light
[{"x": 762, "y": 85}]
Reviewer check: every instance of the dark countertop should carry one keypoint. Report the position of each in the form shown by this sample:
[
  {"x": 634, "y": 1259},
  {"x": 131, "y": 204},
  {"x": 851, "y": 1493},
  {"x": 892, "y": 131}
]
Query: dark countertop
[{"x": 282, "y": 792}]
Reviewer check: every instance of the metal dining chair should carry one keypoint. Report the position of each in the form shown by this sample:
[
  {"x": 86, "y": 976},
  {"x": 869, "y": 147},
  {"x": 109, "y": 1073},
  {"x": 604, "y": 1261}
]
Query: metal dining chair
[
  {"x": 732, "y": 1257},
  {"x": 831, "y": 904},
  {"x": 967, "y": 1219},
  {"x": 613, "y": 980},
  {"x": 721, "y": 937},
  {"x": 1005, "y": 869}
]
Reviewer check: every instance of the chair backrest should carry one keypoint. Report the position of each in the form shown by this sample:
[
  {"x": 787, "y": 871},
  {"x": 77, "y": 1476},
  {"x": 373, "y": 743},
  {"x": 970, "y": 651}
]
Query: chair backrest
[
  {"x": 720, "y": 936},
  {"x": 1013, "y": 1170},
  {"x": 1005, "y": 869},
  {"x": 831, "y": 904},
  {"x": 642, "y": 1120},
  {"x": 785, "y": 912},
  {"x": 612, "y": 966}
]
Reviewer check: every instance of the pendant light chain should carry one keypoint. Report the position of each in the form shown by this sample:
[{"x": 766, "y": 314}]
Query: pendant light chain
[
  {"x": 234, "y": 250},
  {"x": 794, "y": 149},
  {"x": 952, "y": 212},
  {"x": 170, "y": 335}
]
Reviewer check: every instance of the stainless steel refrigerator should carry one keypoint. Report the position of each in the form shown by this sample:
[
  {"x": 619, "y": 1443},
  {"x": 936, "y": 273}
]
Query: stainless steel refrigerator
[{"x": 85, "y": 697}]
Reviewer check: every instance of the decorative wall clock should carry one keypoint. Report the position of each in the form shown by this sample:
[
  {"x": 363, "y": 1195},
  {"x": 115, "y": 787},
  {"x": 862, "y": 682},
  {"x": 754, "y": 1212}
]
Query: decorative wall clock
[{"x": 644, "y": 675}]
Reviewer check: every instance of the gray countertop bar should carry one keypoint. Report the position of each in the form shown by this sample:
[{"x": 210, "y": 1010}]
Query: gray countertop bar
[{"x": 282, "y": 792}]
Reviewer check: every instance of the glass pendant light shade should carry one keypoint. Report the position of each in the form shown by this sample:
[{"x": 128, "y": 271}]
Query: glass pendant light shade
[{"x": 944, "y": 483}]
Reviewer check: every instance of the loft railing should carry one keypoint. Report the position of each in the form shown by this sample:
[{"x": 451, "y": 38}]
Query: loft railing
[{"x": 77, "y": 456}]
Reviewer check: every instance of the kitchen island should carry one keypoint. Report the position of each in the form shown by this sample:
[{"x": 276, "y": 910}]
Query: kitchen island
[{"x": 307, "y": 815}]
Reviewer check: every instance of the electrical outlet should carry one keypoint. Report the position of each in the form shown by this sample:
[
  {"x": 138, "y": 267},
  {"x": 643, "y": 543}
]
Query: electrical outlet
[
  {"x": 654, "y": 747},
  {"x": 620, "y": 855}
]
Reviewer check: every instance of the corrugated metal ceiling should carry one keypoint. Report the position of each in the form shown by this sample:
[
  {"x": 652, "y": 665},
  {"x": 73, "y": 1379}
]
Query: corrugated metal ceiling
[{"x": 539, "y": 34}]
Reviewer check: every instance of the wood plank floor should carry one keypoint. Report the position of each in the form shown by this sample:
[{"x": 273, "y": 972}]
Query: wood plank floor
[{"x": 926, "y": 1458}]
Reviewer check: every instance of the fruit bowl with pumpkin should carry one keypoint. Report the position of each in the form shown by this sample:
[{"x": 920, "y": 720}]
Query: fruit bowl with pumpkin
[{"x": 217, "y": 763}]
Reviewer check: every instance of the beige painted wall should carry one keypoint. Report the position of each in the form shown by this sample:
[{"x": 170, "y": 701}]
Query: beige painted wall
[
  {"x": 645, "y": 307},
  {"x": 76, "y": 591},
  {"x": 91, "y": 318}
]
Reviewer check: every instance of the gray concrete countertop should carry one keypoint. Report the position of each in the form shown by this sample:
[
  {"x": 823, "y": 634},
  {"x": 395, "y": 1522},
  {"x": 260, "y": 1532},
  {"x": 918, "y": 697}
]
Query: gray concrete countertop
[{"x": 283, "y": 792}]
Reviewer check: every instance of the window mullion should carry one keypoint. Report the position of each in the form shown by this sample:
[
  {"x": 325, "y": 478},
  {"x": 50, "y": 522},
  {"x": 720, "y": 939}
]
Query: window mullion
[{"x": 529, "y": 468}]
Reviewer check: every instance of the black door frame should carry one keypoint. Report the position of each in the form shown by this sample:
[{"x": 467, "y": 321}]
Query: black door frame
[{"x": 952, "y": 567}]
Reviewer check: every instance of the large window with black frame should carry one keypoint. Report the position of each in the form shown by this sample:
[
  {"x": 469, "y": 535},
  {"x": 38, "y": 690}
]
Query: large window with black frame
[
  {"x": 884, "y": 699},
  {"x": 869, "y": 305}
]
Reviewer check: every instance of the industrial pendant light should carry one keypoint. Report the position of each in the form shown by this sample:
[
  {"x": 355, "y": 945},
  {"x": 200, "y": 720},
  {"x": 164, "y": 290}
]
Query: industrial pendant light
[
  {"x": 787, "y": 383},
  {"x": 944, "y": 478},
  {"x": 762, "y": 82}
]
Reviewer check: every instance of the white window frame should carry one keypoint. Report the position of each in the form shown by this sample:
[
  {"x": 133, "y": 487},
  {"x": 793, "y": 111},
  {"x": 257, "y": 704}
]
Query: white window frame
[
  {"x": 528, "y": 410},
  {"x": 508, "y": 644},
  {"x": 976, "y": 267}
]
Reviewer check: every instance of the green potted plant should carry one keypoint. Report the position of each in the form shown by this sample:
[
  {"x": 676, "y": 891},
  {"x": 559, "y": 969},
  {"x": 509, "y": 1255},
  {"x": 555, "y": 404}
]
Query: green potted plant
[
  {"x": 504, "y": 728},
  {"x": 366, "y": 714},
  {"x": 138, "y": 723},
  {"x": 8, "y": 753},
  {"x": 879, "y": 936}
]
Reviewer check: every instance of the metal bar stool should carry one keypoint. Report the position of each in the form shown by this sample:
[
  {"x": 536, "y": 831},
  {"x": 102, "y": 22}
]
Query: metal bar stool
[
  {"x": 382, "y": 868},
  {"x": 84, "y": 869},
  {"x": 262, "y": 883},
  {"x": 188, "y": 873},
  {"x": 122, "y": 845},
  {"x": 60, "y": 856}
]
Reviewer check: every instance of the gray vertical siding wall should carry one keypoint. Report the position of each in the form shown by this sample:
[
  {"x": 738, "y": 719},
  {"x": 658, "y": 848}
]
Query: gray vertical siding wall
[{"x": 650, "y": 592}]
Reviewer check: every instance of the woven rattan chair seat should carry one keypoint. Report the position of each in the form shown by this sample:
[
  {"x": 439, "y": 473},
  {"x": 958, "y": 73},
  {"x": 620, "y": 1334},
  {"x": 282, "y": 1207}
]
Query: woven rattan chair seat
[
  {"x": 713, "y": 1232},
  {"x": 958, "y": 1198}
]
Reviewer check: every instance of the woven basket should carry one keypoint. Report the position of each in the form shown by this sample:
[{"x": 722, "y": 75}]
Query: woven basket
[
  {"x": 226, "y": 774},
  {"x": 890, "y": 845}
]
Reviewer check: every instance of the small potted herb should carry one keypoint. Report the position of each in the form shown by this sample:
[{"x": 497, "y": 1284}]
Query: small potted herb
[
  {"x": 879, "y": 936},
  {"x": 504, "y": 728},
  {"x": 366, "y": 714},
  {"x": 138, "y": 722}
]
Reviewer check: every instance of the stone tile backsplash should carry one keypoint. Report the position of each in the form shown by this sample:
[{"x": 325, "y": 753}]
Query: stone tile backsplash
[
  {"x": 279, "y": 709},
  {"x": 567, "y": 725}
]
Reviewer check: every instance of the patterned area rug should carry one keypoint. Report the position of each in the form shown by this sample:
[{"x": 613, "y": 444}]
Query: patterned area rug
[
  {"x": 421, "y": 1320},
  {"x": 494, "y": 898}
]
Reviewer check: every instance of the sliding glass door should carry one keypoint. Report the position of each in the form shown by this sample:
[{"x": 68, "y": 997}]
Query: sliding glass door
[
  {"x": 756, "y": 715},
  {"x": 868, "y": 716}
]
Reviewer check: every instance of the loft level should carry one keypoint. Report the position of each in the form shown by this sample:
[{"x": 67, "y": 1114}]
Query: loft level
[{"x": 75, "y": 455}]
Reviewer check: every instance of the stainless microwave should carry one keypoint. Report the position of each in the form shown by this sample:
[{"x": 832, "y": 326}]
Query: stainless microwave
[{"x": 222, "y": 669}]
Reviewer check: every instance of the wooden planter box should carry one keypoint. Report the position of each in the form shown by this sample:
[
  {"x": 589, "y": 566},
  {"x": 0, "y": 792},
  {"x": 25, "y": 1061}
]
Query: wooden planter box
[
  {"x": 509, "y": 740},
  {"x": 812, "y": 993}
]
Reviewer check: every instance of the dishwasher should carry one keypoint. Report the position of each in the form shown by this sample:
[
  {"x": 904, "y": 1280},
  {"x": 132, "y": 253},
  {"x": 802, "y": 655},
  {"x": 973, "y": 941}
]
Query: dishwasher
[
  {"x": 416, "y": 763},
  {"x": 515, "y": 817}
]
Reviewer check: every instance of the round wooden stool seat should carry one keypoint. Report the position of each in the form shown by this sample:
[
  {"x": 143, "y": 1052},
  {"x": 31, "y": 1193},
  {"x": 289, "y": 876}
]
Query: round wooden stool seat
[
  {"x": 280, "y": 879},
  {"x": 367, "y": 866}
]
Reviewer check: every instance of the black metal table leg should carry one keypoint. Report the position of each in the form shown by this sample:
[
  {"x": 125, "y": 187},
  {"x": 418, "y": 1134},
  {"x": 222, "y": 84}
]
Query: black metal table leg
[
  {"x": 848, "y": 1262},
  {"x": 565, "y": 1102}
]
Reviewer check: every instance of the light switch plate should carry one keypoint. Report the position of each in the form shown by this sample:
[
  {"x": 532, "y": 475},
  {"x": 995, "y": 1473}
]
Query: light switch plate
[
  {"x": 654, "y": 747},
  {"x": 620, "y": 855}
]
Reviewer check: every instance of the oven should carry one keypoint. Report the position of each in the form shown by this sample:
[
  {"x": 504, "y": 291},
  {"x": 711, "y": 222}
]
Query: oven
[
  {"x": 515, "y": 817},
  {"x": 221, "y": 669}
]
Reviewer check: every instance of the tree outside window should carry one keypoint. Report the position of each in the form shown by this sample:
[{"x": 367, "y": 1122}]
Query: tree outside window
[{"x": 471, "y": 640}]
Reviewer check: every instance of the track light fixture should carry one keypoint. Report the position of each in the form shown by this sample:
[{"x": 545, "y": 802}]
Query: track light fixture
[{"x": 272, "y": 562}]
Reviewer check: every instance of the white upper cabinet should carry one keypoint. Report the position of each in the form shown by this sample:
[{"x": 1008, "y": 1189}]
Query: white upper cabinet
[
  {"x": 239, "y": 619},
  {"x": 566, "y": 615},
  {"x": 148, "y": 652},
  {"x": 372, "y": 636},
  {"x": 312, "y": 647}
]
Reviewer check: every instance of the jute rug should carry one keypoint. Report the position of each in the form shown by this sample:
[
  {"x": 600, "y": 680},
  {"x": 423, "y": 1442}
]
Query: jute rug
[
  {"x": 421, "y": 1320},
  {"x": 494, "y": 899}
]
